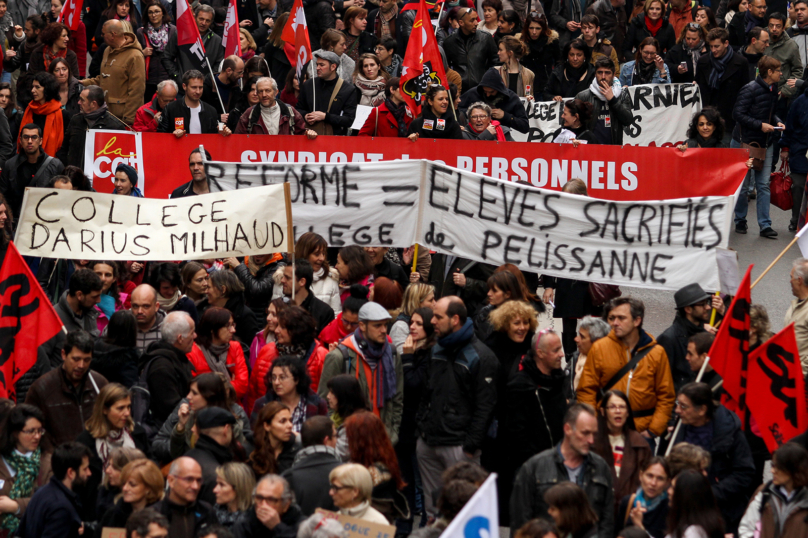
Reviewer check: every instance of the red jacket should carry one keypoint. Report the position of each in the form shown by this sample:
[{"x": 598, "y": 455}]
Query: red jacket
[
  {"x": 263, "y": 364},
  {"x": 333, "y": 332},
  {"x": 236, "y": 366},
  {"x": 145, "y": 121},
  {"x": 388, "y": 126}
]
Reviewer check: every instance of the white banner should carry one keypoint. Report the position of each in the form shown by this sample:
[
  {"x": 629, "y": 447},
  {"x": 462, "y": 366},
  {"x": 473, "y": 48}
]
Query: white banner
[
  {"x": 93, "y": 226},
  {"x": 665, "y": 244},
  {"x": 662, "y": 114},
  {"x": 479, "y": 516}
]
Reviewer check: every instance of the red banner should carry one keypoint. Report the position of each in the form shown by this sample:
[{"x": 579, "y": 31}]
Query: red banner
[
  {"x": 27, "y": 320},
  {"x": 611, "y": 173},
  {"x": 422, "y": 61},
  {"x": 777, "y": 397},
  {"x": 297, "y": 31}
]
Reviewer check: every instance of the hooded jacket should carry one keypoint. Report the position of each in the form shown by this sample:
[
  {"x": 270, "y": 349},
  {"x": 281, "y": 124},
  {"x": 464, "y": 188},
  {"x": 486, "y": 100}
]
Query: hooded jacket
[
  {"x": 508, "y": 101},
  {"x": 651, "y": 394},
  {"x": 145, "y": 120},
  {"x": 168, "y": 378},
  {"x": 788, "y": 53},
  {"x": 117, "y": 363},
  {"x": 123, "y": 78}
]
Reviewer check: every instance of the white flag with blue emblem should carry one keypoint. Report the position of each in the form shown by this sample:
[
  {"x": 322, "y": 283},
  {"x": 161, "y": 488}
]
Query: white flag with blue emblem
[{"x": 480, "y": 517}]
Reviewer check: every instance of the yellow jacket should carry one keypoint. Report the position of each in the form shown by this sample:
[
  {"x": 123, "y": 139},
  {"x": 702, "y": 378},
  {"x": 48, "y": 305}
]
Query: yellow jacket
[{"x": 651, "y": 381}]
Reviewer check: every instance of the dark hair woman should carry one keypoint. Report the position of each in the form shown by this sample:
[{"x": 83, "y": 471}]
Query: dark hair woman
[
  {"x": 207, "y": 390},
  {"x": 509, "y": 24},
  {"x": 267, "y": 334},
  {"x": 294, "y": 336},
  {"x": 502, "y": 287},
  {"x": 45, "y": 111},
  {"x": 8, "y": 103},
  {"x": 693, "y": 510},
  {"x": 165, "y": 278},
  {"x": 53, "y": 43},
  {"x": 114, "y": 354},
  {"x": 287, "y": 382},
  {"x": 112, "y": 482},
  {"x": 648, "y": 66},
  {"x": 274, "y": 440},
  {"x": 6, "y": 227},
  {"x": 291, "y": 89},
  {"x": 436, "y": 120},
  {"x": 573, "y": 75},
  {"x": 80, "y": 181},
  {"x": 70, "y": 87},
  {"x": 690, "y": 46},
  {"x": 25, "y": 465},
  {"x": 78, "y": 37},
  {"x": 619, "y": 444},
  {"x": 215, "y": 349},
  {"x": 357, "y": 40},
  {"x": 314, "y": 248},
  {"x": 354, "y": 267},
  {"x": 249, "y": 98},
  {"x": 574, "y": 119},
  {"x": 543, "y": 52},
  {"x": 571, "y": 511},
  {"x": 122, "y": 10},
  {"x": 225, "y": 290},
  {"x": 153, "y": 38},
  {"x": 369, "y": 445},
  {"x": 195, "y": 281},
  {"x": 650, "y": 23},
  {"x": 647, "y": 508},
  {"x": 706, "y": 130},
  {"x": 345, "y": 397},
  {"x": 112, "y": 299},
  {"x": 705, "y": 18}
]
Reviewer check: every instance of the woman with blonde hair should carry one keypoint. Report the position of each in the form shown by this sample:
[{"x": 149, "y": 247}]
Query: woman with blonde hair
[
  {"x": 235, "y": 483},
  {"x": 417, "y": 295},
  {"x": 351, "y": 490},
  {"x": 110, "y": 427},
  {"x": 111, "y": 483},
  {"x": 142, "y": 485},
  {"x": 248, "y": 45}
]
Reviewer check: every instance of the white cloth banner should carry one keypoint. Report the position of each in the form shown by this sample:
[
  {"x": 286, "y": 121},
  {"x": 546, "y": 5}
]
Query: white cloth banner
[
  {"x": 662, "y": 114},
  {"x": 479, "y": 518},
  {"x": 93, "y": 226},
  {"x": 655, "y": 244}
]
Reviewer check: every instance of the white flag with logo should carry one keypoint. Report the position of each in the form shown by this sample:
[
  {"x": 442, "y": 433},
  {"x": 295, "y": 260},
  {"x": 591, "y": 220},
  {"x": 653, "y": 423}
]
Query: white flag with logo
[
  {"x": 802, "y": 240},
  {"x": 480, "y": 517}
]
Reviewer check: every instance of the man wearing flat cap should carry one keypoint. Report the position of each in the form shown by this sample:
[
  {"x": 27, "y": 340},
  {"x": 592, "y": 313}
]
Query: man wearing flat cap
[
  {"x": 381, "y": 375},
  {"x": 214, "y": 426},
  {"x": 694, "y": 307},
  {"x": 326, "y": 102}
]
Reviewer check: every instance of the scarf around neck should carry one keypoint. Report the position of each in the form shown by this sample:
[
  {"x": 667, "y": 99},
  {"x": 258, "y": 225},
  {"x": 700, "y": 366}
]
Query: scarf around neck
[
  {"x": 398, "y": 112},
  {"x": 617, "y": 89},
  {"x": 719, "y": 65},
  {"x": 54, "y": 132},
  {"x": 27, "y": 471},
  {"x": 751, "y": 21},
  {"x": 216, "y": 357},
  {"x": 114, "y": 439},
  {"x": 650, "y": 504},
  {"x": 372, "y": 91},
  {"x": 644, "y": 72},
  {"x": 296, "y": 350},
  {"x": 158, "y": 37},
  {"x": 380, "y": 359},
  {"x": 386, "y": 14},
  {"x": 92, "y": 117},
  {"x": 500, "y": 133},
  {"x": 169, "y": 304},
  {"x": 574, "y": 74},
  {"x": 653, "y": 27},
  {"x": 48, "y": 55},
  {"x": 711, "y": 142}
]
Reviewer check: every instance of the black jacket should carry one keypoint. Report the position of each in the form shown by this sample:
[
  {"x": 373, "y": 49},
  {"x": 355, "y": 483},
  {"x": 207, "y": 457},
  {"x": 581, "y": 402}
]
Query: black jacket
[
  {"x": 737, "y": 30},
  {"x": 545, "y": 470},
  {"x": 247, "y": 324},
  {"x": 559, "y": 84},
  {"x": 116, "y": 516},
  {"x": 169, "y": 378},
  {"x": 308, "y": 478},
  {"x": 13, "y": 189},
  {"x": 210, "y": 95},
  {"x": 471, "y": 56},
  {"x": 674, "y": 340},
  {"x": 476, "y": 273},
  {"x": 732, "y": 469},
  {"x": 201, "y": 512},
  {"x": 534, "y": 410},
  {"x": 621, "y": 112},
  {"x": 319, "y": 310},
  {"x": 637, "y": 31},
  {"x": 460, "y": 395},
  {"x": 320, "y": 16},
  {"x": 258, "y": 288},
  {"x": 186, "y": 189},
  {"x": 208, "y": 118},
  {"x": 754, "y": 107},
  {"x": 394, "y": 272},
  {"x": 72, "y": 150},
  {"x": 209, "y": 455},
  {"x": 676, "y": 55},
  {"x": 343, "y": 109},
  {"x": 541, "y": 59},
  {"x": 572, "y": 297},
  {"x": 735, "y": 77},
  {"x": 7, "y": 138},
  {"x": 505, "y": 99},
  {"x": 428, "y": 125},
  {"x": 176, "y": 62},
  {"x": 416, "y": 369},
  {"x": 53, "y": 511},
  {"x": 118, "y": 364},
  {"x": 250, "y": 527},
  {"x": 560, "y": 13}
]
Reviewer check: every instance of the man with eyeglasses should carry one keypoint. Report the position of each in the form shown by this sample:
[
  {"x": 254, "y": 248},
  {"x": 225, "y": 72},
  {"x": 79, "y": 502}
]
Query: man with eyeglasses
[
  {"x": 783, "y": 48},
  {"x": 31, "y": 167},
  {"x": 694, "y": 307},
  {"x": 273, "y": 515},
  {"x": 185, "y": 513}
]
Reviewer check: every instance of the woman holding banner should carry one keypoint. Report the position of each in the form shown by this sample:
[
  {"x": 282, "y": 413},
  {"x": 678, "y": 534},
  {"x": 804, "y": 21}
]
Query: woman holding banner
[
  {"x": 573, "y": 76},
  {"x": 435, "y": 120},
  {"x": 705, "y": 131}
]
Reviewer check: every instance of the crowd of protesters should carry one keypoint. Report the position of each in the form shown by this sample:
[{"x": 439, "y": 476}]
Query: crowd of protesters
[{"x": 236, "y": 397}]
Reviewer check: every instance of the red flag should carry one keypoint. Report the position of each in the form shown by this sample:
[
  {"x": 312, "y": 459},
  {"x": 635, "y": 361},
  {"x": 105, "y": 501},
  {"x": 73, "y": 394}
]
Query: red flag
[
  {"x": 187, "y": 30},
  {"x": 71, "y": 14},
  {"x": 730, "y": 350},
  {"x": 27, "y": 320},
  {"x": 297, "y": 31},
  {"x": 231, "y": 39},
  {"x": 777, "y": 397},
  {"x": 422, "y": 61}
]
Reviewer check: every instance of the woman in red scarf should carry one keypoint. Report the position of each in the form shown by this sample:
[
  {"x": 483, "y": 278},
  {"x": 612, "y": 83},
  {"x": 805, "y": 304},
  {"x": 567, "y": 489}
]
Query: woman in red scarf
[
  {"x": 481, "y": 127},
  {"x": 45, "y": 110},
  {"x": 650, "y": 23},
  {"x": 53, "y": 41}
]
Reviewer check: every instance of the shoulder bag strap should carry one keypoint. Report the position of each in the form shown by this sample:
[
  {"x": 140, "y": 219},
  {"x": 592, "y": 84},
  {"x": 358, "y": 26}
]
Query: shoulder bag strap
[
  {"x": 333, "y": 97},
  {"x": 630, "y": 365},
  {"x": 376, "y": 130},
  {"x": 628, "y": 508}
]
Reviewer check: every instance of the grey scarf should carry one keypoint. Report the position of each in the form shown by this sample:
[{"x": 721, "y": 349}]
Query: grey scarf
[
  {"x": 93, "y": 117},
  {"x": 216, "y": 355}
]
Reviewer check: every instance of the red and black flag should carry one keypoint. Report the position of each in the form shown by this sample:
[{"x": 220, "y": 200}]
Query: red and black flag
[
  {"x": 423, "y": 64},
  {"x": 27, "y": 320},
  {"x": 777, "y": 397}
]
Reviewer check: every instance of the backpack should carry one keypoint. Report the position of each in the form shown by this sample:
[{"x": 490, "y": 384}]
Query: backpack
[{"x": 141, "y": 399}]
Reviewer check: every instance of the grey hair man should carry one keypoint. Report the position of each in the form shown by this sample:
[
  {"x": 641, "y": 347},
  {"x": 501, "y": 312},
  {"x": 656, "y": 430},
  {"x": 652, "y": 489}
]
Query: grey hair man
[
  {"x": 271, "y": 115},
  {"x": 798, "y": 311},
  {"x": 274, "y": 512},
  {"x": 94, "y": 114}
]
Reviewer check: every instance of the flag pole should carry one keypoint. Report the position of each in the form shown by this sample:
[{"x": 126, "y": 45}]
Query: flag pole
[
  {"x": 451, "y": 100},
  {"x": 678, "y": 420},
  {"x": 213, "y": 80},
  {"x": 777, "y": 259}
]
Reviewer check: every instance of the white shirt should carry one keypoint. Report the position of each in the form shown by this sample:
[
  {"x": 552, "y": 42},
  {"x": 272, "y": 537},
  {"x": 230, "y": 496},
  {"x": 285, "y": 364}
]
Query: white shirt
[{"x": 196, "y": 126}]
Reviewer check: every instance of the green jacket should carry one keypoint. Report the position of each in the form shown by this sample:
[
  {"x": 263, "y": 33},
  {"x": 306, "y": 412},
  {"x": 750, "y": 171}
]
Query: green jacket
[
  {"x": 335, "y": 364},
  {"x": 787, "y": 51}
]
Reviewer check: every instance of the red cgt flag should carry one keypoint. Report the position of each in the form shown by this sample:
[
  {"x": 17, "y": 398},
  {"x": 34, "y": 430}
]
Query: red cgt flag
[
  {"x": 423, "y": 64},
  {"x": 297, "y": 31},
  {"x": 231, "y": 38},
  {"x": 27, "y": 320},
  {"x": 187, "y": 30},
  {"x": 777, "y": 397},
  {"x": 71, "y": 14},
  {"x": 730, "y": 350}
]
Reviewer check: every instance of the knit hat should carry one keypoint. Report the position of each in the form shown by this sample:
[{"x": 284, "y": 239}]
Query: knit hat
[{"x": 130, "y": 172}]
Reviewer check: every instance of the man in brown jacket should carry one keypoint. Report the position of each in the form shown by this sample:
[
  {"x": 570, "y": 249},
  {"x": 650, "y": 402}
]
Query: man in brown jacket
[
  {"x": 631, "y": 361},
  {"x": 66, "y": 395},
  {"x": 123, "y": 72}
]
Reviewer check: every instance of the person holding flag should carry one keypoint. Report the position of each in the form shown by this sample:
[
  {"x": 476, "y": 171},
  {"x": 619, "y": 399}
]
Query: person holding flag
[
  {"x": 193, "y": 44},
  {"x": 423, "y": 64},
  {"x": 436, "y": 120},
  {"x": 327, "y": 103}
]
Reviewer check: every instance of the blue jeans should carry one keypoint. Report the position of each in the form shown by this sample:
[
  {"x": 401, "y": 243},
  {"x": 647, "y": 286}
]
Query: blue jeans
[
  {"x": 761, "y": 182},
  {"x": 6, "y": 77}
]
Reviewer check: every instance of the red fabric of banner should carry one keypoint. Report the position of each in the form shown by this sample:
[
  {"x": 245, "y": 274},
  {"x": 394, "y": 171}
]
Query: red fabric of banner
[
  {"x": 71, "y": 14},
  {"x": 231, "y": 38},
  {"x": 187, "y": 30},
  {"x": 27, "y": 320},
  {"x": 422, "y": 61},
  {"x": 777, "y": 397},
  {"x": 297, "y": 31}
]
